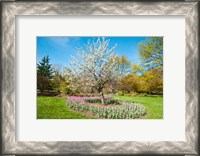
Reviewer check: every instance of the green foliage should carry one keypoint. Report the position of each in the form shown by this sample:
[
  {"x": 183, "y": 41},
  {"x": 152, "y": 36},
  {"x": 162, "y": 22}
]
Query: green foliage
[
  {"x": 130, "y": 83},
  {"x": 124, "y": 65},
  {"x": 44, "y": 68},
  {"x": 59, "y": 80},
  {"x": 147, "y": 77},
  {"x": 64, "y": 87},
  {"x": 153, "y": 105},
  {"x": 150, "y": 81},
  {"x": 151, "y": 52},
  {"x": 153, "y": 81},
  {"x": 137, "y": 69},
  {"x": 55, "y": 108},
  {"x": 120, "y": 93},
  {"x": 44, "y": 74},
  {"x": 133, "y": 94},
  {"x": 56, "y": 82},
  {"x": 107, "y": 101}
]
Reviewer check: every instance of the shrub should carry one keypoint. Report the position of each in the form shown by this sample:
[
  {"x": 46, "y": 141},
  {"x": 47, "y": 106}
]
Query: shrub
[
  {"x": 121, "y": 93},
  {"x": 43, "y": 83}
]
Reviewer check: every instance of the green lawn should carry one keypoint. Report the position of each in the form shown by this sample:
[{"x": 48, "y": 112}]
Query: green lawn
[
  {"x": 153, "y": 105},
  {"x": 55, "y": 108}
]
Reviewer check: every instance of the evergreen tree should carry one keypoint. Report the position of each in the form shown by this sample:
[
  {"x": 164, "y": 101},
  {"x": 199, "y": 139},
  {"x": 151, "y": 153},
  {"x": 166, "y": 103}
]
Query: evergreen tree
[
  {"x": 44, "y": 68},
  {"x": 44, "y": 74}
]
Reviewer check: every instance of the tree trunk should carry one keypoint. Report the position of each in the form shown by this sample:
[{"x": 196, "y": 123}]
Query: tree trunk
[{"x": 102, "y": 97}]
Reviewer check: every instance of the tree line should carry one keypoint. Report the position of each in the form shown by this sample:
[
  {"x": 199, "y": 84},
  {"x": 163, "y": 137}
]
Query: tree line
[{"x": 98, "y": 70}]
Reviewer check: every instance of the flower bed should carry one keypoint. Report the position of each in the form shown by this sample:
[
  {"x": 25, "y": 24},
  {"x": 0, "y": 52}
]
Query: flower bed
[
  {"x": 107, "y": 101},
  {"x": 125, "y": 110}
]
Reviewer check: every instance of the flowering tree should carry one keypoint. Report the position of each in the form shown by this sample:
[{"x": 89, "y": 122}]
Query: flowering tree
[{"x": 94, "y": 67}]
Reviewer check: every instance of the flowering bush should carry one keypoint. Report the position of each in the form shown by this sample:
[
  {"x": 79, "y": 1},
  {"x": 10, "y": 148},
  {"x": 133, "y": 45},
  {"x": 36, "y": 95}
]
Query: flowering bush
[{"x": 125, "y": 111}]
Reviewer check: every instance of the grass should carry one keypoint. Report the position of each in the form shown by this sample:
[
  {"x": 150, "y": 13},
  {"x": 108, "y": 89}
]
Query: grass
[
  {"x": 153, "y": 105},
  {"x": 55, "y": 108}
]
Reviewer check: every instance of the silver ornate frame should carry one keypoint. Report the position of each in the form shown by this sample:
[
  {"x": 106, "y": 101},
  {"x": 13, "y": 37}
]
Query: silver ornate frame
[{"x": 10, "y": 10}]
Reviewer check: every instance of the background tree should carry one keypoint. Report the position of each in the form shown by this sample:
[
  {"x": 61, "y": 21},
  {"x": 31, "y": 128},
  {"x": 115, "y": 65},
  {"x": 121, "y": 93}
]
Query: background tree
[
  {"x": 57, "y": 77},
  {"x": 59, "y": 80},
  {"x": 153, "y": 81},
  {"x": 124, "y": 68},
  {"x": 43, "y": 83},
  {"x": 44, "y": 68},
  {"x": 151, "y": 53},
  {"x": 123, "y": 65},
  {"x": 137, "y": 69},
  {"x": 95, "y": 66},
  {"x": 130, "y": 83},
  {"x": 44, "y": 74}
]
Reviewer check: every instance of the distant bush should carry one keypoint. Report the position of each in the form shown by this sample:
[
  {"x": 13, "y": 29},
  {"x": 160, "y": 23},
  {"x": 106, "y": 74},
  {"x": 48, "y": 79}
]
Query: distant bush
[
  {"x": 138, "y": 94},
  {"x": 121, "y": 93},
  {"x": 48, "y": 93},
  {"x": 43, "y": 83},
  {"x": 143, "y": 94}
]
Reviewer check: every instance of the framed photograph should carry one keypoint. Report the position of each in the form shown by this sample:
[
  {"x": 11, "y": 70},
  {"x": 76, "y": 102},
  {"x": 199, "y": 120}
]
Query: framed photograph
[{"x": 93, "y": 77}]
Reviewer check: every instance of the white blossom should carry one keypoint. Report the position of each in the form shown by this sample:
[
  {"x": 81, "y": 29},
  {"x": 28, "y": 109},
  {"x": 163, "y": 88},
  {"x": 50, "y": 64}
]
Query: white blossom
[{"x": 94, "y": 66}]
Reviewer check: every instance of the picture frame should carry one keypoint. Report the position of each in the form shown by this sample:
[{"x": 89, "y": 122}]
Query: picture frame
[{"x": 11, "y": 9}]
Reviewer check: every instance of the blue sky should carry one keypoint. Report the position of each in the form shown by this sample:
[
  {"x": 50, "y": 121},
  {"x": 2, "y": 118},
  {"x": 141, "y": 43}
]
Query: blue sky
[{"x": 60, "y": 49}]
